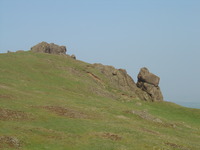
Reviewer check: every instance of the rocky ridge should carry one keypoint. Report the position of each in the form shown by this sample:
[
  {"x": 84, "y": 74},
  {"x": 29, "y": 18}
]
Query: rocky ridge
[{"x": 146, "y": 87}]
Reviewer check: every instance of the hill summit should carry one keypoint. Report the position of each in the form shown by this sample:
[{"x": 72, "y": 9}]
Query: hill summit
[
  {"x": 146, "y": 88},
  {"x": 52, "y": 101},
  {"x": 51, "y": 48}
]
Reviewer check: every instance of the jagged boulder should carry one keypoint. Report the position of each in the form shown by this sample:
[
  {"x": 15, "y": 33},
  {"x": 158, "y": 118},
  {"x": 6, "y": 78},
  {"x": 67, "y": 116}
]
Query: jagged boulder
[
  {"x": 120, "y": 80},
  {"x": 147, "y": 77},
  {"x": 117, "y": 78},
  {"x": 73, "y": 56},
  {"x": 149, "y": 82},
  {"x": 51, "y": 48}
]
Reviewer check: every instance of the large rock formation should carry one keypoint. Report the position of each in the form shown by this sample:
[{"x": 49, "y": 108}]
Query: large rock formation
[
  {"x": 51, "y": 48},
  {"x": 149, "y": 82},
  {"x": 117, "y": 78},
  {"x": 146, "y": 88}
]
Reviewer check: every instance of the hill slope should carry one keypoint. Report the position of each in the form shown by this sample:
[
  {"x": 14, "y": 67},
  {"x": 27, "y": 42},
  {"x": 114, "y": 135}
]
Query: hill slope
[{"x": 56, "y": 102}]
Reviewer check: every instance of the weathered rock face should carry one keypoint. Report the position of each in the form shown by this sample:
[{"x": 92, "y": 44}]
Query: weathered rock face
[
  {"x": 146, "y": 88},
  {"x": 147, "y": 77},
  {"x": 117, "y": 78},
  {"x": 149, "y": 82},
  {"x": 51, "y": 48}
]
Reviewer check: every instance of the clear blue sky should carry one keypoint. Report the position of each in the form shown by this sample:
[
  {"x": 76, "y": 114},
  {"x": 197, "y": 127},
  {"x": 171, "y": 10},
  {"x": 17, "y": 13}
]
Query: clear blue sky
[{"x": 163, "y": 35}]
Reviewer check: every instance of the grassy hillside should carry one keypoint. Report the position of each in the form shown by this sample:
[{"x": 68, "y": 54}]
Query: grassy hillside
[{"x": 50, "y": 102}]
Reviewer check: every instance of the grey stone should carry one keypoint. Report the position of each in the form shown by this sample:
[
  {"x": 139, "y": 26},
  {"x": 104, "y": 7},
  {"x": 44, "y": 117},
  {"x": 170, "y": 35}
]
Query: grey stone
[
  {"x": 145, "y": 76},
  {"x": 117, "y": 78},
  {"x": 73, "y": 56},
  {"x": 148, "y": 82},
  {"x": 51, "y": 48}
]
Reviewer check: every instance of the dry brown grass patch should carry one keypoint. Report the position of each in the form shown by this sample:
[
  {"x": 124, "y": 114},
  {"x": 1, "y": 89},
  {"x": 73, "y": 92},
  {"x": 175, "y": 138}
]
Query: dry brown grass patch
[
  {"x": 150, "y": 131},
  {"x": 67, "y": 112},
  {"x": 111, "y": 136},
  {"x": 176, "y": 146},
  {"x": 7, "y": 114},
  {"x": 5, "y": 96},
  {"x": 9, "y": 141}
]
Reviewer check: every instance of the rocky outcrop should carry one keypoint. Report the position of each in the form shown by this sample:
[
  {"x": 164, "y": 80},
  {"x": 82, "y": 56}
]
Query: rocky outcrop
[
  {"x": 73, "y": 56},
  {"x": 51, "y": 48},
  {"x": 117, "y": 78},
  {"x": 146, "y": 88},
  {"x": 149, "y": 82}
]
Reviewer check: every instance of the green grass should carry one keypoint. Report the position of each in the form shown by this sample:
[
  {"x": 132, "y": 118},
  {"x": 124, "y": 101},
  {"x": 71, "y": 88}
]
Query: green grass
[{"x": 29, "y": 82}]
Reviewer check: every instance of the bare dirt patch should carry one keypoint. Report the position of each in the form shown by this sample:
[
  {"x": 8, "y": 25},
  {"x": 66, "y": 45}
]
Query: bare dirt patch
[
  {"x": 3, "y": 86},
  {"x": 7, "y": 114},
  {"x": 3, "y": 96},
  {"x": 150, "y": 131},
  {"x": 173, "y": 145},
  {"x": 94, "y": 77},
  {"x": 9, "y": 141},
  {"x": 67, "y": 112},
  {"x": 111, "y": 136}
]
